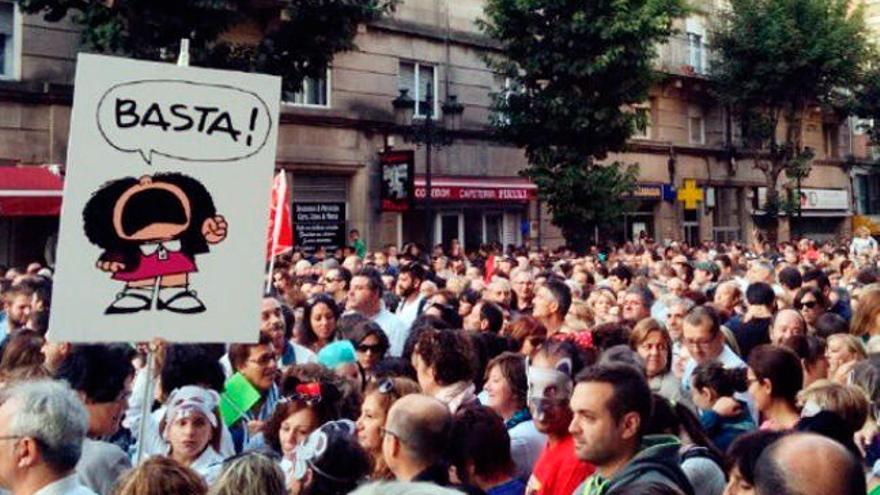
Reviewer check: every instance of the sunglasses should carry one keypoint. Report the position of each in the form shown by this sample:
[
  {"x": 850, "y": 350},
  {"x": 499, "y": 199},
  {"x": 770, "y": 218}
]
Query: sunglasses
[
  {"x": 374, "y": 348},
  {"x": 808, "y": 304}
]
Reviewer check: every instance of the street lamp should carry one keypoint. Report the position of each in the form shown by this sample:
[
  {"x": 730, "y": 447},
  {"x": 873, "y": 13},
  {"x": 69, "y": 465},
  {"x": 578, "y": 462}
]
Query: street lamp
[{"x": 426, "y": 131}]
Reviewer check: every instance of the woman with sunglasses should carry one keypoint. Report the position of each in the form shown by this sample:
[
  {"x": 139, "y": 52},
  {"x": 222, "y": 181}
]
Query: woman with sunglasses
[
  {"x": 506, "y": 389},
  {"x": 811, "y": 303},
  {"x": 370, "y": 344},
  {"x": 378, "y": 399},
  {"x": 192, "y": 430},
  {"x": 319, "y": 322}
]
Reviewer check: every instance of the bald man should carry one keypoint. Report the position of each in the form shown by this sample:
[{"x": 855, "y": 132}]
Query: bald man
[
  {"x": 808, "y": 464},
  {"x": 788, "y": 322},
  {"x": 415, "y": 439}
]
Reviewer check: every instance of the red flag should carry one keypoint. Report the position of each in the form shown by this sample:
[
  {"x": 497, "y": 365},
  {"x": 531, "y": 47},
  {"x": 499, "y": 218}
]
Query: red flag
[{"x": 280, "y": 236}]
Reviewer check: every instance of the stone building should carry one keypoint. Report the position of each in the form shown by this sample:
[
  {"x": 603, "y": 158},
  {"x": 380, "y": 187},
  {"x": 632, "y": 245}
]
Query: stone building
[{"x": 333, "y": 132}]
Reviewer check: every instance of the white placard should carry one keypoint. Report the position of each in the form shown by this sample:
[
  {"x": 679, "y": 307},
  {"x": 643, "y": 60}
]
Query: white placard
[{"x": 164, "y": 216}]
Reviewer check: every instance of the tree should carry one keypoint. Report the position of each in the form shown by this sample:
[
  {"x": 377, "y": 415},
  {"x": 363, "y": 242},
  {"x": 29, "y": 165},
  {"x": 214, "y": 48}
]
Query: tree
[
  {"x": 777, "y": 60},
  {"x": 290, "y": 38},
  {"x": 575, "y": 69}
]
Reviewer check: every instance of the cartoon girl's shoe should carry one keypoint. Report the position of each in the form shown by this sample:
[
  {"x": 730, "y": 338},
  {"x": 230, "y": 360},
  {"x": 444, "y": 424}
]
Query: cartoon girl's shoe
[
  {"x": 130, "y": 301},
  {"x": 182, "y": 301}
]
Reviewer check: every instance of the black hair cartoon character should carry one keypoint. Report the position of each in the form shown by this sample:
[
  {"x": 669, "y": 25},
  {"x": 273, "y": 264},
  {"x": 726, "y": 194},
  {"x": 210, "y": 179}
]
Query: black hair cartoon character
[{"x": 150, "y": 230}]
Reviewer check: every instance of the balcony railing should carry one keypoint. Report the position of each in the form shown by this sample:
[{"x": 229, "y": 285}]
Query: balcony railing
[{"x": 685, "y": 55}]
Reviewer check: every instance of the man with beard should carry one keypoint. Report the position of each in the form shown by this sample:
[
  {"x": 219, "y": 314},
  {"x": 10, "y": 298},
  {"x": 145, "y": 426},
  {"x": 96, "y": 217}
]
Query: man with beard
[
  {"x": 17, "y": 301},
  {"x": 612, "y": 407},
  {"x": 557, "y": 471},
  {"x": 408, "y": 289},
  {"x": 273, "y": 325}
]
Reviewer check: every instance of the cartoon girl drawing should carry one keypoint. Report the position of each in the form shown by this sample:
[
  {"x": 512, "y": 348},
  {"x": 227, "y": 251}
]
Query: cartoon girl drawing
[{"x": 150, "y": 230}]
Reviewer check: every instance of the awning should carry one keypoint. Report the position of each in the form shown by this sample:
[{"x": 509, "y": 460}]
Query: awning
[
  {"x": 453, "y": 188},
  {"x": 29, "y": 191}
]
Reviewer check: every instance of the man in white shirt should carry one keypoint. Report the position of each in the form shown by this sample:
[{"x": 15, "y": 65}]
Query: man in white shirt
[
  {"x": 409, "y": 285},
  {"x": 704, "y": 340},
  {"x": 42, "y": 427},
  {"x": 365, "y": 297}
]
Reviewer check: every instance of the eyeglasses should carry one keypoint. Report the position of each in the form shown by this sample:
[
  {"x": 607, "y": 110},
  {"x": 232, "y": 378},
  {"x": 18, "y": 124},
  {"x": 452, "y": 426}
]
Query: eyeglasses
[
  {"x": 807, "y": 304},
  {"x": 385, "y": 431},
  {"x": 698, "y": 343},
  {"x": 374, "y": 348}
]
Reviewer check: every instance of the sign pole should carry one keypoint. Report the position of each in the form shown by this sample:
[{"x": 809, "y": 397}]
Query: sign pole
[{"x": 182, "y": 61}]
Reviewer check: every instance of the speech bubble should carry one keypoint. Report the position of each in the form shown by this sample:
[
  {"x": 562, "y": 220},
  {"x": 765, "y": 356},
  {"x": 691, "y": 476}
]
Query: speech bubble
[{"x": 184, "y": 120}]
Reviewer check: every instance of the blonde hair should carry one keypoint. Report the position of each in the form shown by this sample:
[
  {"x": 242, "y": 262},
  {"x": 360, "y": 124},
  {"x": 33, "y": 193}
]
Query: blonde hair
[
  {"x": 866, "y": 311},
  {"x": 161, "y": 475},
  {"x": 852, "y": 343},
  {"x": 847, "y": 401},
  {"x": 250, "y": 474}
]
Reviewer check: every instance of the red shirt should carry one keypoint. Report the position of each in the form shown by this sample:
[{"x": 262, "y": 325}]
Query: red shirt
[{"x": 558, "y": 471}]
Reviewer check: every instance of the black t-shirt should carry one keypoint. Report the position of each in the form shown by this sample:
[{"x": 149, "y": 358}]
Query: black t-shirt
[{"x": 751, "y": 334}]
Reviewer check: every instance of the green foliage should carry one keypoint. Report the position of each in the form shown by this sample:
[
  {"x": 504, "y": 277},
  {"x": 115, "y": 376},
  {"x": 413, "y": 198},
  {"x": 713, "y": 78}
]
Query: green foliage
[
  {"x": 866, "y": 100},
  {"x": 574, "y": 67},
  {"x": 291, "y": 38},
  {"x": 776, "y": 60}
]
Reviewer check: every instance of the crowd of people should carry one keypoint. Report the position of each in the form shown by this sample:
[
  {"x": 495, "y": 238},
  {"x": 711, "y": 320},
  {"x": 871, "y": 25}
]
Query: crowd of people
[{"x": 646, "y": 368}]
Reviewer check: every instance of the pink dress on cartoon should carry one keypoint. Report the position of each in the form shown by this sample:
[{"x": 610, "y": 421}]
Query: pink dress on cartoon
[{"x": 163, "y": 260}]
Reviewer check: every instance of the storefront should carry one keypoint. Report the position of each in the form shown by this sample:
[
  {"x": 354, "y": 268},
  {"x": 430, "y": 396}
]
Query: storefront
[
  {"x": 30, "y": 202},
  {"x": 640, "y": 219},
  {"x": 823, "y": 213},
  {"x": 474, "y": 210}
]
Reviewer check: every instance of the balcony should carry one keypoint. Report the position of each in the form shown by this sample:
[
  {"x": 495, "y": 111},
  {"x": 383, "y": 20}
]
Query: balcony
[{"x": 685, "y": 55}]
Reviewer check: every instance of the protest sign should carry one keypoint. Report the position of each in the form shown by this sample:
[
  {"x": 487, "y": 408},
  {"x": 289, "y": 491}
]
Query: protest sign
[
  {"x": 238, "y": 397},
  {"x": 169, "y": 171}
]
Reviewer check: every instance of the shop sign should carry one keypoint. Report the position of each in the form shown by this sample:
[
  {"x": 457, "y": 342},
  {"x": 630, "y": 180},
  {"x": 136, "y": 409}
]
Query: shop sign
[
  {"x": 816, "y": 199},
  {"x": 319, "y": 225},
  {"x": 398, "y": 174},
  {"x": 648, "y": 191},
  {"x": 461, "y": 193}
]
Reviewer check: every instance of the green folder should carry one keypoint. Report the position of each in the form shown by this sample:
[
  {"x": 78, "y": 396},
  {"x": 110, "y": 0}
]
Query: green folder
[{"x": 238, "y": 397}]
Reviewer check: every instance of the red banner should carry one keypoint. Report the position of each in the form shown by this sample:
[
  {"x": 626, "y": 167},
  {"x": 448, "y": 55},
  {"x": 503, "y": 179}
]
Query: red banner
[{"x": 280, "y": 235}]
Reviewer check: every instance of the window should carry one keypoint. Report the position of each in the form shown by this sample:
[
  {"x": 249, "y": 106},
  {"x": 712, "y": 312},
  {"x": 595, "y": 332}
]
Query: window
[
  {"x": 315, "y": 92},
  {"x": 419, "y": 80},
  {"x": 695, "y": 52},
  {"x": 831, "y": 140},
  {"x": 696, "y": 125},
  {"x": 646, "y": 123},
  {"x": 868, "y": 194},
  {"x": 8, "y": 39}
]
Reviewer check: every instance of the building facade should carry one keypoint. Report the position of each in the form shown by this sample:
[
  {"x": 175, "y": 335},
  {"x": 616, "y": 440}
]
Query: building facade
[{"x": 333, "y": 131}]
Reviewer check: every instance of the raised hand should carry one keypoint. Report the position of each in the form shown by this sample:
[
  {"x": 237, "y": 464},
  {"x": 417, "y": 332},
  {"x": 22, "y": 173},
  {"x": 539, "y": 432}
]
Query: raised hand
[{"x": 214, "y": 229}]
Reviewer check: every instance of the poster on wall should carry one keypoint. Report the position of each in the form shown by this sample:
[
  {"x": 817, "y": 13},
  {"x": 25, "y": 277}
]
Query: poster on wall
[
  {"x": 169, "y": 171},
  {"x": 319, "y": 225},
  {"x": 398, "y": 179}
]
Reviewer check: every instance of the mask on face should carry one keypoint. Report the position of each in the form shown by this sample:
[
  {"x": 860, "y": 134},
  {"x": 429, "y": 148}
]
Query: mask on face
[{"x": 549, "y": 386}]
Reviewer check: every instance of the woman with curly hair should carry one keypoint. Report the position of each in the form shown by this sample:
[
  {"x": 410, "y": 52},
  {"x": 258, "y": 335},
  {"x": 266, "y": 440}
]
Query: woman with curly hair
[{"x": 445, "y": 363}]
